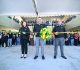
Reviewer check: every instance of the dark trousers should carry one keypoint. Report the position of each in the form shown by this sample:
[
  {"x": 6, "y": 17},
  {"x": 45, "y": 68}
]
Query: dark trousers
[
  {"x": 4, "y": 42},
  {"x": 58, "y": 42},
  {"x": 75, "y": 42},
  {"x": 24, "y": 47},
  {"x": 13, "y": 42},
  {"x": 0, "y": 43}
]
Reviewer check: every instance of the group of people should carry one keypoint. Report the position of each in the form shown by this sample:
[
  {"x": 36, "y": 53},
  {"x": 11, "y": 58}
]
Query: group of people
[
  {"x": 58, "y": 41},
  {"x": 73, "y": 39},
  {"x": 9, "y": 39}
]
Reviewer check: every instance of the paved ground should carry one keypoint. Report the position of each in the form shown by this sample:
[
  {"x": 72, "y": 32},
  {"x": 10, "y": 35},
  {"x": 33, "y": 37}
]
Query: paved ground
[{"x": 10, "y": 59}]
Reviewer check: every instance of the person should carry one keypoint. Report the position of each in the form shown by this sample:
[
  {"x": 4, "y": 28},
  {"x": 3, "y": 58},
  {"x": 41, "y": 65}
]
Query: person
[
  {"x": 17, "y": 39},
  {"x": 76, "y": 37},
  {"x": 0, "y": 39},
  {"x": 59, "y": 38},
  {"x": 72, "y": 39},
  {"x": 79, "y": 38},
  {"x": 14, "y": 39},
  {"x": 31, "y": 39},
  {"x": 68, "y": 42},
  {"x": 36, "y": 30},
  {"x": 4, "y": 40},
  {"x": 9, "y": 39},
  {"x": 24, "y": 38}
]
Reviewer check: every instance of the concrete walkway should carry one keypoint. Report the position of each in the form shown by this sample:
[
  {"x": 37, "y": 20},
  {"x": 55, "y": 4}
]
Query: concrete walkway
[{"x": 10, "y": 59}]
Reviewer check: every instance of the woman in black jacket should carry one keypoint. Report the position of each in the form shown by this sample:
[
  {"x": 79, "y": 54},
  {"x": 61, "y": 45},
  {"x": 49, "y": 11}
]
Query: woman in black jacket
[{"x": 24, "y": 38}]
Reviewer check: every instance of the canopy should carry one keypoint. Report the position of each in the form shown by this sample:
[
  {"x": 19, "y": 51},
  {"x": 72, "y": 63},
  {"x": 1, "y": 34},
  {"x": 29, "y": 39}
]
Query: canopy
[{"x": 44, "y": 7}]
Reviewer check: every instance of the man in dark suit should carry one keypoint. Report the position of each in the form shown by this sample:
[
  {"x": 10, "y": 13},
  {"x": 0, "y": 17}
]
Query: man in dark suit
[
  {"x": 36, "y": 30},
  {"x": 59, "y": 38}
]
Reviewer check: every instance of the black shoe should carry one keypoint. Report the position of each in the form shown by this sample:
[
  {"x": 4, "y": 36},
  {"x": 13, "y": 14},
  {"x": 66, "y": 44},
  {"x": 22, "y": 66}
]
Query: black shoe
[
  {"x": 54, "y": 57},
  {"x": 43, "y": 57},
  {"x": 25, "y": 57},
  {"x": 22, "y": 57},
  {"x": 35, "y": 57},
  {"x": 64, "y": 57}
]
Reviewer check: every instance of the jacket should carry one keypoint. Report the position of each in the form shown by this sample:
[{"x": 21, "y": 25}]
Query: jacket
[
  {"x": 24, "y": 33},
  {"x": 60, "y": 28},
  {"x": 37, "y": 28}
]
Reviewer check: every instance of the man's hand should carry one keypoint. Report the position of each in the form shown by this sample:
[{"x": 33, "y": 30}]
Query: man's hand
[
  {"x": 56, "y": 33},
  {"x": 66, "y": 39},
  {"x": 53, "y": 35},
  {"x": 35, "y": 34}
]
